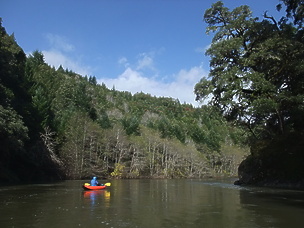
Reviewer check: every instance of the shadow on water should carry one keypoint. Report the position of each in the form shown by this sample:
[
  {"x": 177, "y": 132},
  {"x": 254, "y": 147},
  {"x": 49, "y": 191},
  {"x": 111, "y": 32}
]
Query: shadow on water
[{"x": 274, "y": 207}]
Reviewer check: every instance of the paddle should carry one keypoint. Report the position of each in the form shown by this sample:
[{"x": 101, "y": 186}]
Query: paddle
[{"x": 106, "y": 184}]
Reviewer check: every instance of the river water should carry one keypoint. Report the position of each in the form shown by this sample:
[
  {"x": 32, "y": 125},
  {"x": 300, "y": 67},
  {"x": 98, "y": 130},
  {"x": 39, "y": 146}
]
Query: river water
[{"x": 150, "y": 203}]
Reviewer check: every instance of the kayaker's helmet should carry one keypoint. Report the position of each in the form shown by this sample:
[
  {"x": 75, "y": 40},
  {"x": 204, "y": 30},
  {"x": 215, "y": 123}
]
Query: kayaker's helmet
[{"x": 94, "y": 178}]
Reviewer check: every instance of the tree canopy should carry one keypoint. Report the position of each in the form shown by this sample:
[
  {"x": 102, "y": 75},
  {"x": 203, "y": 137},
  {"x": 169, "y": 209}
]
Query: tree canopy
[{"x": 256, "y": 71}]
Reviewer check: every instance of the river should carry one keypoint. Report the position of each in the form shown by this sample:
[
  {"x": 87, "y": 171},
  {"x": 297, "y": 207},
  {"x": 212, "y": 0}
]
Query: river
[{"x": 150, "y": 203}]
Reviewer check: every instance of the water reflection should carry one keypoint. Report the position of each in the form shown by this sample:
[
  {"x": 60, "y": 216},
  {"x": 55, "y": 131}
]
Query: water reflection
[
  {"x": 97, "y": 197},
  {"x": 149, "y": 204}
]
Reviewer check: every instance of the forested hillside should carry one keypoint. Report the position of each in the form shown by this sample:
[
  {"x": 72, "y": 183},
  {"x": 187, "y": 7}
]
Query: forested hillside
[{"x": 56, "y": 124}]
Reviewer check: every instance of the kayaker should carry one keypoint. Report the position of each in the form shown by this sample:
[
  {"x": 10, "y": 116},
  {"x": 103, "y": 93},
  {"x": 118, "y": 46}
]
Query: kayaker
[{"x": 94, "y": 181}]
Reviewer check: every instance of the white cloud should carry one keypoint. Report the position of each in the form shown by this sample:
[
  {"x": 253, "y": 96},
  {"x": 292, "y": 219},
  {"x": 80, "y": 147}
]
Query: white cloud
[
  {"x": 145, "y": 61},
  {"x": 62, "y": 52},
  {"x": 181, "y": 87},
  {"x": 56, "y": 58},
  {"x": 59, "y": 42},
  {"x": 123, "y": 61}
]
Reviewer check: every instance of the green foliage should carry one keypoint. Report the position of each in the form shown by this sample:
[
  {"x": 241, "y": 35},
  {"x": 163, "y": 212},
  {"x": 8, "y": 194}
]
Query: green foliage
[
  {"x": 256, "y": 80},
  {"x": 22, "y": 150},
  {"x": 256, "y": 70},
  {"x": 74, "y": 126},
  {"x": 104, "y": 120},
  {"x": 93, "y": 80},
  {"x": 294, "y": 10},
  {"x": 13, "y": 133},
  {"x": 131, "y": 125},
  {"x": 12, "y": 82}
]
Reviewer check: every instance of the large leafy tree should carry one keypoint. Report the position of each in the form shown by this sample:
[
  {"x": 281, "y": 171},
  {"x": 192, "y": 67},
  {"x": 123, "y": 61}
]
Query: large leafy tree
[
  {"x": 257, "y": 68},
  {"x": 294, "y": 10}
]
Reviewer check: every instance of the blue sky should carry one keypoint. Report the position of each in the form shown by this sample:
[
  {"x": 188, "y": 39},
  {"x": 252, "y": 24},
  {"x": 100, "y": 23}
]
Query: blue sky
[{"x": 150, "y": 46}]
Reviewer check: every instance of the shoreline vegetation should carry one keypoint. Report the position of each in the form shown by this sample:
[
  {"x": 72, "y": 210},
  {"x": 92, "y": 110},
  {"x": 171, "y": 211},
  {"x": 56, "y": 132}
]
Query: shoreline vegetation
[{"x": 56, "y": 124}]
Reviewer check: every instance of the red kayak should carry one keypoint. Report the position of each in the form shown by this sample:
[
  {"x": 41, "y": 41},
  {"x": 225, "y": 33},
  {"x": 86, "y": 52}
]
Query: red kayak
[{"x": 89, "y": 187}]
